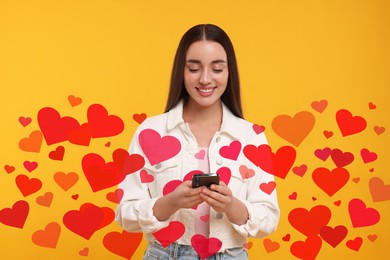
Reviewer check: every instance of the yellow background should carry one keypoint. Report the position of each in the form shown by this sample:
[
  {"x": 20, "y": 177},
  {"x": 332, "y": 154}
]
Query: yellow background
[{"x": 119, "y": 54}]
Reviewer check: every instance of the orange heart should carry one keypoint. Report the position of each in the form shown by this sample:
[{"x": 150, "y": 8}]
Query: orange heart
[
  {"x": 379, "y": 130},
  {"x": 47, "y": 237},
  {"x": 84, "y": 251},
  {"x": 294, "y": 129},
  {"x": 379, "y": 191},
  {"x": 74, "y": 101},
  {"x": 32, "y": 143},
  {"x": 66, "y": 180},
  {"x": 45, "y": 200},
  {"x": 319, "y": 106},
  {"x": 270, "y": 246}
]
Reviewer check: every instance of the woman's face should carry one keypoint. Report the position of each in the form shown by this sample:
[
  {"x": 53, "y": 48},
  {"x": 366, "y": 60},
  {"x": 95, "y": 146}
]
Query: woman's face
[{"x": 206, "y": 72}]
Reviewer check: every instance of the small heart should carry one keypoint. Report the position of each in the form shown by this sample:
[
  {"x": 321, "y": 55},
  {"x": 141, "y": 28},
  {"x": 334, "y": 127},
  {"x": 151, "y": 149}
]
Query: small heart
[
  {"x": 319, "y": 106},
  {"x": 293, "y": 196},
  {"x": 74, "y": 101},
  {"x": 371, "y": 106},
  {"x": 45, "y": 200},
  {"x": 84, "y": 251},
  {"x": 66, "y": 180},
  {"x": 379, "y": 130},
  {"x": 115, "y": 196},
  {"x": 368, "y": 156},
  {"x": 30, "y": 166},
  {"x": 372, "y": 238},
  {"x": 270, "y": 246},
  {"x": 245, "y": 172},
  {"x": 323, "y": 154},
  {"x": 268, "y": 187},
  {"x": 286, "y": 238},
  {"x": 205, "y": 218},
  {"x": 258, "y": 128},
  {"x": 337, "y": 203},
  {"x": 139, "y": 118},
  {"x": 108, "y": 144},
  {"x": 248, "y": 245},
  {"x": 200, "y": 155},
  {"x": 355, "y": 244},
  {"x": 57, "y": 154},
  {"x": 75, "y": 196},
  {"x": 9, "y": 168},
  {"x": 371, "y": 170},
  {"x": 146, "y": 177},
  {"x": 328, "y": 134},
  {"x": 300, "y": 170},
  {"x": 314, "y": 198},
  {"x": 25, "y": 121},
  {"x": 356, "y": 180}
]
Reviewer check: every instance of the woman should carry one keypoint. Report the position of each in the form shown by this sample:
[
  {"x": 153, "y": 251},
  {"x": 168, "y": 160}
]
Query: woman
[{"x": 202, "y": 130}]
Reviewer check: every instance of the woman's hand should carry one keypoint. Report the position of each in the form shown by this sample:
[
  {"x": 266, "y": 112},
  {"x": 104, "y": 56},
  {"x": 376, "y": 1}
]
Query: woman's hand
[{"x": 221, "y": 199}]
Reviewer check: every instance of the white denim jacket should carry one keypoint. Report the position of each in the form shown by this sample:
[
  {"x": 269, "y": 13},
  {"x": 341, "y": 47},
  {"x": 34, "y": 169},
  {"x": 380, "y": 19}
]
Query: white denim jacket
[{"x": 135, "y": 211}]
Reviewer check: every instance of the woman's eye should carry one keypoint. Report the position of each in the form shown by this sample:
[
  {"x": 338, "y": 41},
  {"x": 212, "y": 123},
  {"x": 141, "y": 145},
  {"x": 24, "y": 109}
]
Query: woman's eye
[
  {"x": 193, "y": 70},
  {"x": 217, "y": 70}
]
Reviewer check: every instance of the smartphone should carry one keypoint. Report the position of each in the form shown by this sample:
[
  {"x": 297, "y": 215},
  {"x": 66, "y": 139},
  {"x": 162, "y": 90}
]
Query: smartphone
[{"x": 205, "y": 179}]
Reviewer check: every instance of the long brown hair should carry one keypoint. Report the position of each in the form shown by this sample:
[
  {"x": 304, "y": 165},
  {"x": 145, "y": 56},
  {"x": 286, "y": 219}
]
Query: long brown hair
[{"x": 177, "y": 91}]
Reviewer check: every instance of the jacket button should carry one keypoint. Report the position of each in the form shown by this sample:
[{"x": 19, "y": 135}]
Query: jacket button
[
  {"x": 219, "y": 215},
  {"x": 218, "y": 139},
  {"x": 158, "y": 166},
  {"x": 219, "y": 161}
]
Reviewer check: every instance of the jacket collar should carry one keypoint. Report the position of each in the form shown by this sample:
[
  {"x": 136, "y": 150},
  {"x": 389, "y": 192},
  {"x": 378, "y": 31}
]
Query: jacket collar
[{"x": 230, "y": 123}]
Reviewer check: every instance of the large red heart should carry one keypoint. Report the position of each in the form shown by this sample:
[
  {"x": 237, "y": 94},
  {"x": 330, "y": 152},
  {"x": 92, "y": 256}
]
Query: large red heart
[
  {"x": 171, "y": 186},
  {"x": 156, "y": 148},
  {"x": 308, "y": 249},
  {"x": 278, "y": 164},
  {"x": 108, "y": 214},
  {"x": 310, "y": 222},
  {"x": 360, "y": 215},
  {"x": 341, "y": 158},
  {"x": 231, "y": 151},
  {"x": 86, "y": 221},
  {"x": 123, "y": 244},
  {"x": 127, "y": 163},
  {"x": 225, "y": 174},
  {"x": 81, "y": 135},
  {"x": 55, "y": 128},
  {"x": 330, "y": 181},
  {"x": 170, "y": 234},
  {"x": 15, "y": 216},
  {"x": 333, "y": 236},
  {"x": 205, "y": 247},
  {"x": 102, "y": 124},
  {"x": 28, "y": 186},
  {"x": 349, "y": 124}
]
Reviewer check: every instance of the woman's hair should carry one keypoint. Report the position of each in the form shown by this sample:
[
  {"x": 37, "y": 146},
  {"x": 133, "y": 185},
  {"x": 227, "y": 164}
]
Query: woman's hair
[{"x": 177, "y": 91}]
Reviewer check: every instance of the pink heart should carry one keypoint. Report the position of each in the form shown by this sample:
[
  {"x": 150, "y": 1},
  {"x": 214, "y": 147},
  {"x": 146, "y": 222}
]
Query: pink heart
[
  {"x": 258, "y": 128},
  {"x": 224, "y": 174},
  {"x": 293, "y": 196},
  {"x": 368, "y": 156},
  {"x": 30, "y": 166},
  {"x": 360, "y": 215},
  {"x": 170, "y": 234},
  {"x": 200, "y": 155},
  {"x": 146, "y": 177},
  {"x": 323, "y": 154},
  {"x": 245, "y": 172},
  {"x": 205, "y": 218},
  {"x": 231, "y": 151},
  {"x": 156, "y": 148},
  {"x": 205, "y": 247}
]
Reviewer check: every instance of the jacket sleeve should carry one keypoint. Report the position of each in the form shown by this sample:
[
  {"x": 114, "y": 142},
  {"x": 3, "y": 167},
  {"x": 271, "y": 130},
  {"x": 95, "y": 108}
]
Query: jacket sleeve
[
  {"x": 263, "y": 208},
  {"x": 135, "y": 211}
]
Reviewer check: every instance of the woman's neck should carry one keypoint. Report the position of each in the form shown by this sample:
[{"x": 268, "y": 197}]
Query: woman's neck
[{"x": 194, "y": 113}]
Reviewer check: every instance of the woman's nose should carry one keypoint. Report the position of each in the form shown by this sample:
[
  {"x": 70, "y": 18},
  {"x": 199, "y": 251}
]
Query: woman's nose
[{"x": 205, "y": 77}]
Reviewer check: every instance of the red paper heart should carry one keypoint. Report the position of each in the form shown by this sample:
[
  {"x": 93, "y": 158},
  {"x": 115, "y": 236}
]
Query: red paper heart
[
  {"x": 171, "y": 186},
  {"x": 330, "y": 181},
  {"x": 123, "y": 244},
  {"x": 81, "y": 135},
  {"x": 307, "y": 249},
  {"x": 28, "y": 186},
  {"x": 328, "y": 134},
  {"x": 310, "y": 222},
  {"x": 48, "y": 237},
  {"x": 55, "y": 128},
  {"x": 25, "y": 121},
  {"x": 293, "y": 196},
  {"x": 170, "y": 234},
  {"x": 15, "y": 216},
  {"x": 341, "y": 158},
  {"x": 127, "y": 163},
  {"x": 225, "y": 175},
  {"x": 102, "y": 124},
  {"x": 349, "y": 124},
  {"x": 30, "y": 166},
  {"x": 57, "y": 154},
  {"x": 360, "y": 215},
  {"x": 323, "y": 154},
  {"x": 300, "y": 170},
  {"x": 115, "y": 196},
  {"x": 258, "y": 128},
  {"x": 355, "y": 244},
  {"x": 9, "y": 168},
  {"x": 286, "y": 238},
  {"x": 86, "y": 221},
  {"x": 278, "y": 164},
  {"x": 139, "y": 118},
  {"x": 231, "y": 151},
  {"x": 108, "y": 214},
  {"x": 156, "y": 148},
  {"x": 268, "y": 187},
  {"x": 368, "y": 156},
  {"x": 333, "y": 236},
  {"x": 146, "y": 177},
  {"x": 205, "y": 247}
]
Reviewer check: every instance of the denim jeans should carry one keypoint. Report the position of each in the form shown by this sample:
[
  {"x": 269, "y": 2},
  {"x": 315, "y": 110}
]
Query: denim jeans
[{"x": 175, "y": 251}]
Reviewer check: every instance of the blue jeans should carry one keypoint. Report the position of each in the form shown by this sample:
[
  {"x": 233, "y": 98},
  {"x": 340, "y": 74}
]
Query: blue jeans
[{"x": 175, "y": 251}]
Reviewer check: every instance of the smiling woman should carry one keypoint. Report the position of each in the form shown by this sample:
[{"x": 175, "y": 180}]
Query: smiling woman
[{"x": 203, "y": 116}]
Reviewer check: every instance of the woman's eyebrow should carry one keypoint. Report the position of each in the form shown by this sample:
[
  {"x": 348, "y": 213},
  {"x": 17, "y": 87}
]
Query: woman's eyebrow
[{"x": 198, "y": 61}]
